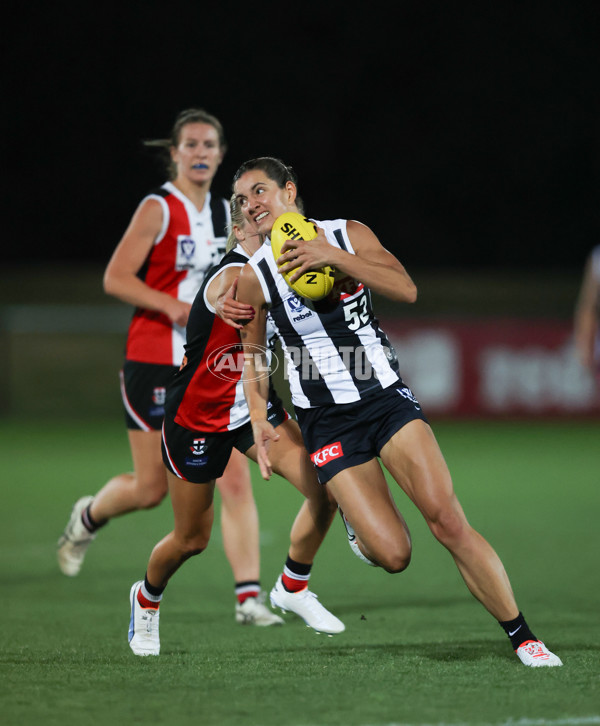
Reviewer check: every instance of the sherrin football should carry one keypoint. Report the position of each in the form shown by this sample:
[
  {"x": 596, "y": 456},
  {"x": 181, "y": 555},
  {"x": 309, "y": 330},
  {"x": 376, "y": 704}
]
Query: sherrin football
[{"x": 315, "y": 284}]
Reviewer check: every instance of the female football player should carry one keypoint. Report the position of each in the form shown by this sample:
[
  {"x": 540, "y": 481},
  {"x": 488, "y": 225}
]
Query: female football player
[
  {"x": 206, "y": 417},
  {"x": 176, "y": 234},
  {"x": 349, "y": 397}
]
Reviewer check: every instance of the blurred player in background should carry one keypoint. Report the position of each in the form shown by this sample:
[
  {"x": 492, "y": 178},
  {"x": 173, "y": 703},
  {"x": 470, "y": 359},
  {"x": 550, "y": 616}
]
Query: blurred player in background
[
  {"x": 206, "y": 418},
  {"x": 587, "y": 315},
  {"x": 351, "y": 402},
  {"x": 175, "y": 236}
]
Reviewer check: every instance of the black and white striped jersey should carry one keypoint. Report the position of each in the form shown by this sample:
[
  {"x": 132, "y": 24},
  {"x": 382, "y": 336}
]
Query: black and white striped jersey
[{"x": 335, "y": 350}]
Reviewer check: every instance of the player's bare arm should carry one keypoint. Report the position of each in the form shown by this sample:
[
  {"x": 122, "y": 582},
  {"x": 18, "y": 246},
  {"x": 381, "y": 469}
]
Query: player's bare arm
[
  {"x": 372, "y": 264},
  {"x": 586, "y": 315},
  {"x": 222, "y": 295},
  {"x": 120, "y": 277},
  {"x": 256, "y": 384}
]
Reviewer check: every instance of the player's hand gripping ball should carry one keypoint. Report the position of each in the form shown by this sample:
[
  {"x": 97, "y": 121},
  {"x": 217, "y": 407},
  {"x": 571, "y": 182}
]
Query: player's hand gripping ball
[{"x": 315, "y": 284}]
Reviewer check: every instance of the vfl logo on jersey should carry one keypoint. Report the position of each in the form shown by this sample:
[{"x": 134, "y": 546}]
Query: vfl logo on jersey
[
  {"x": 327, "y": 453},
  {"x": 295, "y": 303},
  {"x": 298, "y": 309},
  {"x": 186, "y": 248},
  {"x": 408, "y": 394},
  {"x": 198, "y": 447},
  {"x": 158, "y": 396}
]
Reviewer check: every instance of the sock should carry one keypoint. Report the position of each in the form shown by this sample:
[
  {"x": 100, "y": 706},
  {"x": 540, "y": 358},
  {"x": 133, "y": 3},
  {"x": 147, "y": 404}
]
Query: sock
[
  {"x": 89, "y": 522},
  {"x": 295, "y": 575},
  {"x": 518, "y": 631},
  {"x": 246, "y": 589},
  {"x": 149, "y": 596}
]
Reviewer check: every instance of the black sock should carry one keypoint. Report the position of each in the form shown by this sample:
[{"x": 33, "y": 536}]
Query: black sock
[
  {"x": 155, "y": 591},
  {"x": 517, "y": 630},
  {"x": 89, "y": 522}
]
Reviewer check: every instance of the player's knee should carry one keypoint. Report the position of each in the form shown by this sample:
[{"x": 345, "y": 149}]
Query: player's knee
[
  {"x": 448, "y": 527},
  {"x": 151, "y": 494},
  {"x": 151, "y": 499},
  {"x": 395, "y": 559},
  {"x": 192, "y": 546}
]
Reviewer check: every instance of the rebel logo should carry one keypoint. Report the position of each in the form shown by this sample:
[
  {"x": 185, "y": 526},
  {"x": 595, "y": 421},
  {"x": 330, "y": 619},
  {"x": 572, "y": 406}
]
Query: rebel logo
[{"x": 327, "y": 453}]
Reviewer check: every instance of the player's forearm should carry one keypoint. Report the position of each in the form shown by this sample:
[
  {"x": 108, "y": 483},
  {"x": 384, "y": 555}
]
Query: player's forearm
[
  {"x": 256, "y": 382},
  {"x": 130, "y": 289},
  {"x": 585, "y": 335},
  {"x": 391, "y": 281},
  {"x": 256, "y": 394}
]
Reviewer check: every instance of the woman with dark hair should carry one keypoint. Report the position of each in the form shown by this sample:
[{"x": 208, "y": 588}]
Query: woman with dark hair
[{"x": 351, "y": 402}]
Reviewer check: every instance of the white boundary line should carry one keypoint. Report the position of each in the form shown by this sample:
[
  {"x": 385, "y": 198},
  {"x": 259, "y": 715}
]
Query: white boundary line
[{"x": 566, "y": 721}]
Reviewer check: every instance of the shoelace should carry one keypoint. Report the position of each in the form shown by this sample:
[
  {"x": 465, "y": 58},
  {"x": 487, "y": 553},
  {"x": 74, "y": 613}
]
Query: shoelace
[
  {"x": 311, "y": 599},
  {"x": 148, "y": 616},
  {"x": 536, "y": 650}
]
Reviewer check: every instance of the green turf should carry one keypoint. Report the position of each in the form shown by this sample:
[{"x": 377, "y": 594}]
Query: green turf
[{"x": 418, "y": 649}]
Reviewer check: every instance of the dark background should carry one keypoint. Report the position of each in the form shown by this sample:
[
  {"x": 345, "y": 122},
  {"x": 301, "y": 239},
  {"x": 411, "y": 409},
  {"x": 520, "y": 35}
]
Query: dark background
[{"x": 465, "y": 135}]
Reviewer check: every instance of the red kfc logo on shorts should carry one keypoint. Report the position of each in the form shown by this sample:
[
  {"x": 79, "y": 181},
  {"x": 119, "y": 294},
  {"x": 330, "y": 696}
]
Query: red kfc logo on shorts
[{"x": 327, "y": 453}]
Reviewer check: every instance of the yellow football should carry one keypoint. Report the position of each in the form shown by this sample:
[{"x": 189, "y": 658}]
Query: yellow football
[{"x": 315, "y": 284}]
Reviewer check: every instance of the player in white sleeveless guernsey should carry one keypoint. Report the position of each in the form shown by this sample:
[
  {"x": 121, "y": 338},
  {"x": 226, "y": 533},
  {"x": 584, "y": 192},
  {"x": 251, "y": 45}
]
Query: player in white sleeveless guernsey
[
  {"x": 351, "y": 403},
  {"x": 175, "y": 236}
]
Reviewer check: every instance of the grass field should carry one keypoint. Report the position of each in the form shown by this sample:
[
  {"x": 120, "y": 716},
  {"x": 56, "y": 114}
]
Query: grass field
[{"x": 418, "y": 649}]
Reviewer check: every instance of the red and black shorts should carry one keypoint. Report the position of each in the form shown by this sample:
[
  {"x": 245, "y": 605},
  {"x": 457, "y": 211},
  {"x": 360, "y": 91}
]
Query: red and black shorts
[
  {"x": 342, "y": 435},
  {"x": 202, "y": 457},
  {"x": 143, "y": 390}
]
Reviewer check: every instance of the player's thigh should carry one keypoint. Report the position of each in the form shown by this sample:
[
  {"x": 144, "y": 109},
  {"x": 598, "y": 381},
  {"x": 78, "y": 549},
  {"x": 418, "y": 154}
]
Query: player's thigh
[
  {"x": 147, "y": 460},
  {"x": 365, "y": 498},
  {"x": 235, "y": 483},
  {"x": 414, "y": 459},
  {"x": 193, "y": 508},
  {"x": 290, "y": 459}
]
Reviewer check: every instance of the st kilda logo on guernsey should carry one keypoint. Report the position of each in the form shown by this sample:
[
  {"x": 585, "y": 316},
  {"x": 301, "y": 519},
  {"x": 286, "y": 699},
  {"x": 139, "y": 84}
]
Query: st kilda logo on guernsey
[
  {"x": 198, "y": 447},
  {"x": 227, "y": 362},
  {"x": 159, "y": 395}
]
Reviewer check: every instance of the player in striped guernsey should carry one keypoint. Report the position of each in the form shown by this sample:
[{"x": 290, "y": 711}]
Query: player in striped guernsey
[
  {"x": 206, "y": 417},
  {"x": 175, "y": 236},
  {"x": 352, "y": 405}
]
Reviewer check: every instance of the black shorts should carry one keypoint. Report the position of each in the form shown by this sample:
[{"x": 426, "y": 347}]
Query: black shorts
[
  {"x": 343, "y": 435},
  {"x": 143, "y": 390},
  {"x": 200, "y": 457}
]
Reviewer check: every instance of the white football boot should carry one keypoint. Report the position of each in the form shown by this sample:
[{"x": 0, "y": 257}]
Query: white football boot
[
  {"x": 143, "y": 626},
  {"x": 306, "y": 604},
  {"x": 253, "y": 611},
  {"x": 352, "y": 541},
  {"x": 534, "y": 653},
  {"x": 74, "y": 541}
]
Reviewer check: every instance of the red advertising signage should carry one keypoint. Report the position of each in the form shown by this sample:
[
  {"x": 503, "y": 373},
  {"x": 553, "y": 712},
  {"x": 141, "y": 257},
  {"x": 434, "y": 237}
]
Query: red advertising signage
[{"x": 494, "y": 367}]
